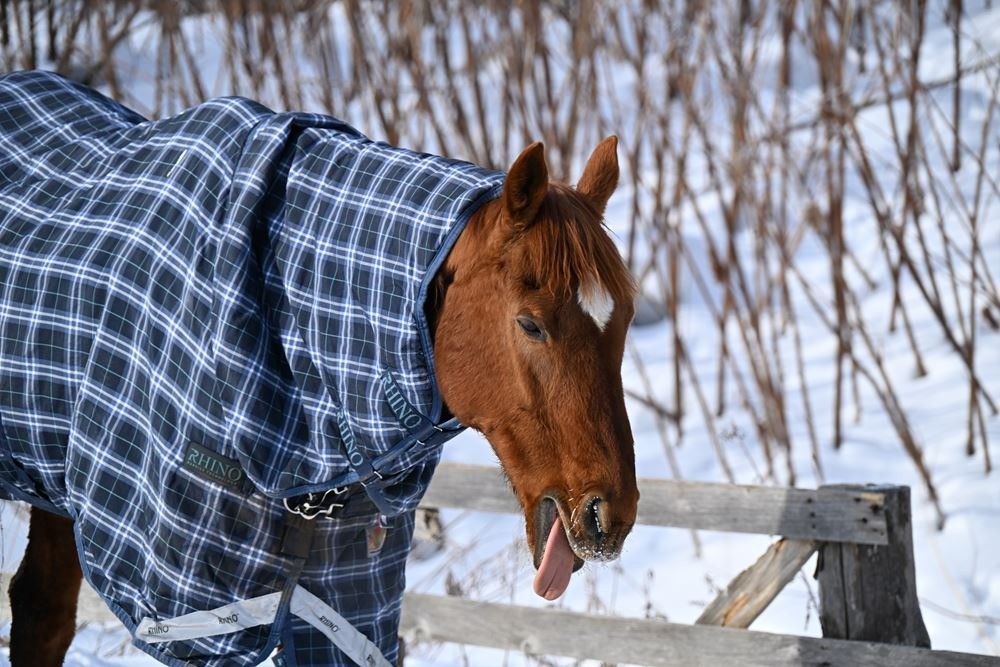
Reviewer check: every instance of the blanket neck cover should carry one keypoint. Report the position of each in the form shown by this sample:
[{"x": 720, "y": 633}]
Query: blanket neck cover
[{"x": 201, "y": 316}]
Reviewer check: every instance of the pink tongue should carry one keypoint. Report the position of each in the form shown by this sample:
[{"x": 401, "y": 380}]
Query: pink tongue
[{"x": 556, "y": 568}]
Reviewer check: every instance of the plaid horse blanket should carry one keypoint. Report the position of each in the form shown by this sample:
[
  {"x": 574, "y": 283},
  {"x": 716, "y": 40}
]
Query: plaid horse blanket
[{"x": 210, "y": 326}]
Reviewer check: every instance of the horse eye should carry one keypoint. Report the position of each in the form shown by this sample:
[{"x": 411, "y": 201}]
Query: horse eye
[{"x": 531, "y": 328}]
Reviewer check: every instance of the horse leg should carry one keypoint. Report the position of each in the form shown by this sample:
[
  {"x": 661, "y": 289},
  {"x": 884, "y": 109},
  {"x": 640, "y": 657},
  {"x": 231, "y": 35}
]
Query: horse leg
[{"x": 44, "y": 592}]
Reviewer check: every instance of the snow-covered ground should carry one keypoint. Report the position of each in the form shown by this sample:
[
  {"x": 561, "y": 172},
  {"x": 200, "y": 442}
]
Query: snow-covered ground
[{"x": 672, "y": 574}]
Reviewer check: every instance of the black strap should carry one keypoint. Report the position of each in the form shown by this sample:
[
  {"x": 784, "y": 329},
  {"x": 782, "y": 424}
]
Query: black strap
[{"x": 296, "y": 540}]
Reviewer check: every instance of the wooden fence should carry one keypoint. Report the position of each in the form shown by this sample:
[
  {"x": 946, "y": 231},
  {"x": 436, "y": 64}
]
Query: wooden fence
[{"x": 869, "y": 611}]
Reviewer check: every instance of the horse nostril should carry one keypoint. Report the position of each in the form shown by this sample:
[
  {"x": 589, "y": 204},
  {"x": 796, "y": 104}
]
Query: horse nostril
[{"x": 596, "y": 518}]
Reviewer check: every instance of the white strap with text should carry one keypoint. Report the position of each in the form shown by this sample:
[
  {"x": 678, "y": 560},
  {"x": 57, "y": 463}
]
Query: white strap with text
[
  {"x": 261, "y": 611},
  {"x": 348, "y": 639},
  {"x": 230, "y": 618}
]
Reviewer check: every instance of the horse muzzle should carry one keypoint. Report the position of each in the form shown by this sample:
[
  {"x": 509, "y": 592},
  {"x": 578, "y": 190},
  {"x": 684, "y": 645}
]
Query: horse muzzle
[{"x": 593, "y": 532}]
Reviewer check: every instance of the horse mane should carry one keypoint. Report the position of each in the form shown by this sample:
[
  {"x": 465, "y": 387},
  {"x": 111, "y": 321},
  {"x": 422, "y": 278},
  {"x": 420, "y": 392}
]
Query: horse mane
[{"x": 568, "y": 247}]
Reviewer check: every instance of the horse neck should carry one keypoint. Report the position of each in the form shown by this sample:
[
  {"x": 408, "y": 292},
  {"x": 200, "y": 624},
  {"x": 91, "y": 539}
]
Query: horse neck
[{"x": 466, "y": 246}]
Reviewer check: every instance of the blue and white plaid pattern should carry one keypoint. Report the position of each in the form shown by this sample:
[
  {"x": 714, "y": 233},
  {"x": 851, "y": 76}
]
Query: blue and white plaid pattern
[{"x": 247, "y": 281}]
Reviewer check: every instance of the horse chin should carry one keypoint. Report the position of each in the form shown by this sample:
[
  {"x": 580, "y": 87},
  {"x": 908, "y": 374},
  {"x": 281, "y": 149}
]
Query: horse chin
[{"x": 545, "y": 515}]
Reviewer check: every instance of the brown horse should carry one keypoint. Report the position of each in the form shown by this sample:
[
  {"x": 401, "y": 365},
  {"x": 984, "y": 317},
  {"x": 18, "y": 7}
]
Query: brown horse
[{"x": 528, "y": 315}]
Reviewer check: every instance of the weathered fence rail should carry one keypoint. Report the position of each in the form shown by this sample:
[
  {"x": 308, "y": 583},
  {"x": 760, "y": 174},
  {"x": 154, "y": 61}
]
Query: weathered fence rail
[
  {"x": 827, "y": 514},
  {"x": 646, "y": 642},
  {"x": 868, "y": 603}
]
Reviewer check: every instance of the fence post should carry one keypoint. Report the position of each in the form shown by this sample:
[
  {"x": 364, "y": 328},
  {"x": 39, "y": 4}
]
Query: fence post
[{"x": 869, "y": 592}]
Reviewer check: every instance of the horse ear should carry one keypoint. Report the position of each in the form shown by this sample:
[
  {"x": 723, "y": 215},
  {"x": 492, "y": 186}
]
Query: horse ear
[
  {"x": 526, "y": 185},
  {"x": 600, "y": 176}
]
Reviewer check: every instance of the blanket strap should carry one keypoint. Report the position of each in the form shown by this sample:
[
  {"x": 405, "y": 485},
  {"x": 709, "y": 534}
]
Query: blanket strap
[
  {"x": 262, "y": 611},
  {"x": 367, "y": 474},
  {"x": 296, "y": 543}
]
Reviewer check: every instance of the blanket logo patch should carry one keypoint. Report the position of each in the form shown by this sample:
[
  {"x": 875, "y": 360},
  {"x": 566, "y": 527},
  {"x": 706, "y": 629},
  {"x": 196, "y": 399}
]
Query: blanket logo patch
[{"x": 214, "y": 467}]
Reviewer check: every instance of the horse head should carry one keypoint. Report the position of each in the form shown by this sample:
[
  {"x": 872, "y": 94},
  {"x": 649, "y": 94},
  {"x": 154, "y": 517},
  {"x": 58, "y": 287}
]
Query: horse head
[{"x": 530, "y": 312}]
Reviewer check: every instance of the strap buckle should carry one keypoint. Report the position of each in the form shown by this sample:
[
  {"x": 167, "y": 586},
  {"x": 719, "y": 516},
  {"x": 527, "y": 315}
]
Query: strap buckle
[
  {"x": 314, "y": 505},
  {"x": 370, "y": 479}
]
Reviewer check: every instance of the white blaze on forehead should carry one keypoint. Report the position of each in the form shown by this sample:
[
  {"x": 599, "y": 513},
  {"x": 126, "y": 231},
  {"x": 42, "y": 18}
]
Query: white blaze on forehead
[{"x": 597, "y": 302}]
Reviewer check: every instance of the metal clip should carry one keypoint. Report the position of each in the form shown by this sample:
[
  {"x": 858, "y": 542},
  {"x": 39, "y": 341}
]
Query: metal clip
[
  {"x": 310, "y": 508},
  {"x": 369, "y": 480}
]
